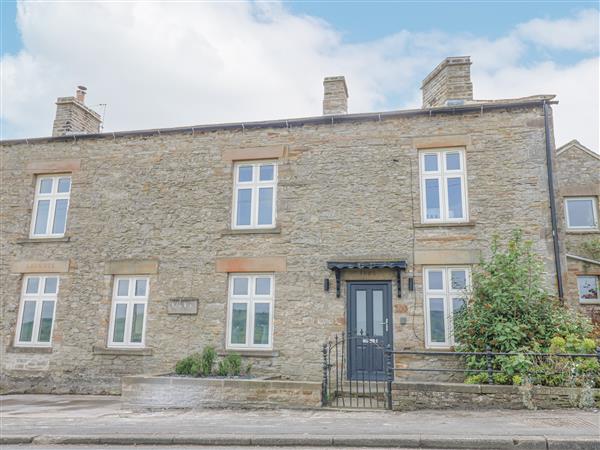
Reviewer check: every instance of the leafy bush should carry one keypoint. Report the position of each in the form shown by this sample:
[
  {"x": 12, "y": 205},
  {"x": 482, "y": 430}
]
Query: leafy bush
[
  {"x": 510, "y": 311},
  {"x": 208, "y": 360},
  {"x": 231, "y": 365},
  {"x": 190, "y": 365}
]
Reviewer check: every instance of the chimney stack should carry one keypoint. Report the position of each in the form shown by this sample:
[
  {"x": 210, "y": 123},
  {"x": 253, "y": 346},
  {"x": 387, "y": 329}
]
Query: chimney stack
[
  {"x": 335, "y": 98},
  {"x": 449, "y": 83},
  {"x": 74, "y": 117}
]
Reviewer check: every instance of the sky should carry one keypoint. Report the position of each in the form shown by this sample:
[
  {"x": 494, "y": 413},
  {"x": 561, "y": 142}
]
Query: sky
[{"x": 161, "y": 64}]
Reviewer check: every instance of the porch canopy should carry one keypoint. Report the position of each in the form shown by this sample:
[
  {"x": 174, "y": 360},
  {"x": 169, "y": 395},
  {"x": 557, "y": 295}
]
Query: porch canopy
[{"x": 338, "y": 266}]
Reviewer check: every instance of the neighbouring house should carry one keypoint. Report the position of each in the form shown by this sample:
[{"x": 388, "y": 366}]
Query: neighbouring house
[
  {"x": 124, "y": 252},
  {"x": 578, "y": 179}
]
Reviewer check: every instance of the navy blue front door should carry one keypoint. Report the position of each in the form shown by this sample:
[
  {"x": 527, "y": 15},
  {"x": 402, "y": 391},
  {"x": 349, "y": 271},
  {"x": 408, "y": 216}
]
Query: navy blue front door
[{"x": 369, "y": 328}]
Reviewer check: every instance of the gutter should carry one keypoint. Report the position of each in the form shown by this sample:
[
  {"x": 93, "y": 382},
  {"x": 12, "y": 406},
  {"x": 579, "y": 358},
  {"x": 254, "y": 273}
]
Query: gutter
[
  {"x": 290, "y": 123},
  {"x": 553, "y": 205}
]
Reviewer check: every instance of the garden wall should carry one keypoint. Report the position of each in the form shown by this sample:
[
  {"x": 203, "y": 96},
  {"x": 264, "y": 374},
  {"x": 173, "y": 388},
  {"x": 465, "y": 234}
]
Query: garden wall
[
  {"x": 148, "y": 391},
  {"x": 408, "y": 395}
]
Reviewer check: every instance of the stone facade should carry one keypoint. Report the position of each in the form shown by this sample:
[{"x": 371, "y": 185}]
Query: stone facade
[
  {"x": 578, "y": 175},
  {"x": 348, "y": 189}
]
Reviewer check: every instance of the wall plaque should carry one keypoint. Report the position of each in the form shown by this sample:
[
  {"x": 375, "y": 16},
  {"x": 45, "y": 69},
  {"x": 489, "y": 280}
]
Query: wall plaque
[{"x": 183, "y": 305}]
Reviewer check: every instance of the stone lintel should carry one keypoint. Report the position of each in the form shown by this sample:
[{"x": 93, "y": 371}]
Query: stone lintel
[
  {"x": 241, "y": 154},
  {"x": 261, "y": 264},
  {"x": 32, "y": 266},
  {"x": 459, "y": 140},
  {"x": 590, "y": 190},
  {"x": 55, "y": 166},
  {"x": 435, "y": 257},
  {"x": 131, "y": 267}
]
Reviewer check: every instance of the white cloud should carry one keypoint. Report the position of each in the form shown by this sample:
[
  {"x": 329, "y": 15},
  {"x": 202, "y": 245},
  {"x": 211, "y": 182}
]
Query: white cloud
[
  {"x": 175, "y": 64},
  {"x": 573, "y": 33}
]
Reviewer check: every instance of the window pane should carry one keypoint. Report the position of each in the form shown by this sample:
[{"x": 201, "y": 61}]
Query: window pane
[
  {"x": 238, "y": 323},
  {"x": 453, "y": 161},
  {"x": 588, "y": 288},
  {"x": 41, "y": 219},
  {"x": 119, "y": 329},
  {"x": 240, "y": 286},
  {"x": 581, "y": 213},
  {"x": 27, "y": 322},
  {"x": 245, "y": 173},
  {"x": 123, "y": 288},
  {"x": 140, "y": 288},
  {"x": 435, "y": 280},
  {"x": 458, "y": 304},
  {"x": 263, "y": 286},
  {"x": 378, "y": 313},
  {"x": 265, "y": 206},
  {"x": 261, "y": 323},
  {"x": 432, "y": 199},
  {"x": 137, "y": 324},
  {"x": 431, "y": 163},
  {"x": 361, "y": 312},
  {"x": 46, "y": 186},
  {"x": 458, "y": 279},
  {"x": 50, "y": 285},
  {"x": 60, "y": 216},
  {"x": 244, "y": 206},
  {"x": 46, "y": 321},
  {"x": 266, "y": 172},
  {"x": 33, "y": 284},
  {"x": 64, "y": 185},
  {"x": 436, "y": 320},
  {"x": 455, "y": 210}
]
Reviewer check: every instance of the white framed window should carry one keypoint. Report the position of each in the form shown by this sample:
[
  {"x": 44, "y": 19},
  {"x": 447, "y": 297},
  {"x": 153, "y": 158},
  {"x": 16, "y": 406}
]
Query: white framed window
[
  {"x": 587, "y": 286},
  {"x": 445, "y": 291},
  {"x": 250, "y": 311},
  {"x": 581, "y": 213},
  {"x": 443, "y": 185},
  {"x": 51, "y": 205},
  {"x": 128, "y": 312},
  {"x": 36, "y": 317},
  {"x": 254, "y": 195}
]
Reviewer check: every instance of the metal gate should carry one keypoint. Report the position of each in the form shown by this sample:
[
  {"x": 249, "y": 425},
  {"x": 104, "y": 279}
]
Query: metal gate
[{"x": 346, "y": 387}]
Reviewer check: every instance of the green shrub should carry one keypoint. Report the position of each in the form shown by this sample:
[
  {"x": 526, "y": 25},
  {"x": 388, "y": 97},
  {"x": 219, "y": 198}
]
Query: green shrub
[
  {"x": 190, "y": 365},
  {"x": 510, "y": 311},
  {"x": 230, "y": 366},
  {"x": 208, "y": 360}
]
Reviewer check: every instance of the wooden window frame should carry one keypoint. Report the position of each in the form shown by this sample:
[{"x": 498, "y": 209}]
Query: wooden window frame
[
  {"x": 130, "y": 300},
  {"x": 254, "y": 185},
  {"x": 52, "y": 197},
  {"x": 39, "y": 297}
]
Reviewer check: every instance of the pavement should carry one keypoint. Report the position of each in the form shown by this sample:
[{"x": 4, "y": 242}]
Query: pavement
[{"x": 43, "y": 421}]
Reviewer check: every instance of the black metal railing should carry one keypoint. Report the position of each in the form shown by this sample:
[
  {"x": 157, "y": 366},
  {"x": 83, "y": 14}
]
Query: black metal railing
[{"x": 344, "y": 386}]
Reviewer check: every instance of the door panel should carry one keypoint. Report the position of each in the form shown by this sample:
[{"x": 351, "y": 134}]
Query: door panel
[{"x": 369, "y": 328}]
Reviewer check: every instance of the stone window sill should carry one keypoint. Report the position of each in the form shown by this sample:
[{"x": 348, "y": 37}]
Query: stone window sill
[
  {"x": 13, "y": 349},
  {"x": 444, "y": 224},
  {"x": 41, "y": 240},
  {"x": 97, "y": 350},
  {"x": 583, "y": 231},
  {"x": 250, "y": 353},
  {"x": 231, "y": 232}
]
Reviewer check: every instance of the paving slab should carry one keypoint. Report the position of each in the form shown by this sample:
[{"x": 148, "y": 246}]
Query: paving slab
[{"x": 79, "y": 420}]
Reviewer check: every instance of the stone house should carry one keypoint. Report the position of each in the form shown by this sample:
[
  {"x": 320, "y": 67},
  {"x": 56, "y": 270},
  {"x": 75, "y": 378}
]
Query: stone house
[
  {"x": 578, "y": 179},
  {"x": 124, "y": 252}
]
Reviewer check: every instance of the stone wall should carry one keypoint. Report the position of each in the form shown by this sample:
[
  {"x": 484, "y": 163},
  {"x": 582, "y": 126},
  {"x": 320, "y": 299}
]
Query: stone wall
[
  {"x": 408, "y": 396},
  {"x": 156, "y": 392},
  {"x": 347, "y": 190},
  {"x": 578, "y": 175}
]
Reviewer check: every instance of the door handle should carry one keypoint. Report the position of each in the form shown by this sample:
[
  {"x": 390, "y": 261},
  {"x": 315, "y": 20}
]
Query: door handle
[{"x": 387, "y": 324}]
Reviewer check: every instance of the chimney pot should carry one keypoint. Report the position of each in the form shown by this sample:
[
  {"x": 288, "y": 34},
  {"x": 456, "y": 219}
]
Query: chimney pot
[
  {"x": 80, "y": 93},
  {"x": 335, "y": 96}
]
